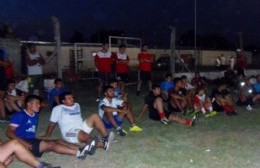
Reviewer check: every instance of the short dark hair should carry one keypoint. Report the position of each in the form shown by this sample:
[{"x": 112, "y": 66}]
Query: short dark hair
[
  {"x": 154, "y": 86},
  {"x": 63, "y": 95},
  {"x": 184, "y": 77},
  {"x": 30, "y": 98},
  {"x": 176, "y": 80},
  {"x": 113, "y": 80},
  {"x": 9, "y": 81},
  {"x": 168, "y": 74},
  {"x": 106, "y": 87},
  {"x": 57, "y": 80},
  {"x": 122, "y": 46}
]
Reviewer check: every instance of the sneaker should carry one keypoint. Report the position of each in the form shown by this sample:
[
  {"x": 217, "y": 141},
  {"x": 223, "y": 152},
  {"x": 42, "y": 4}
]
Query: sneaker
[
  {"x": 135, "y": 128},
  {"x": 211, "y": 114},
  {"x": 46, "y": 165},
  {"x": 165, "y": 121},
  {"x": 249, "y": 108},
  {"x": 89, "y": 148},
  {"x": 108, "y": 141},
  {"x": 121, "y": 132}
]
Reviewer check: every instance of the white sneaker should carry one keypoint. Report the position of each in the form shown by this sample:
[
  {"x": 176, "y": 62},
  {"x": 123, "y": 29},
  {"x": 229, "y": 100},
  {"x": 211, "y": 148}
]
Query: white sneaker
[{"x": 249, "y": 108}]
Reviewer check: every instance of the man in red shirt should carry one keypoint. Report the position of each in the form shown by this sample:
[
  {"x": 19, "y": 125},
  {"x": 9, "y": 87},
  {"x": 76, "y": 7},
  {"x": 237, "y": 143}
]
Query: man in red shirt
[
  {"x": 121, "y": 59},
  {"x": 103, "y": 62},
  {"x": 145, "y": 68}
]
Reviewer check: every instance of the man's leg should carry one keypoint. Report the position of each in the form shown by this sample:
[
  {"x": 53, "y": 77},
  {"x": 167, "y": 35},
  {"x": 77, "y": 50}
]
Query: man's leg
[
  {"x": 139, "y": 84},
  {"x": 52, "y": 145},
  {"x": 2, "y": 105},
  {"x": 14, "y": 147}
]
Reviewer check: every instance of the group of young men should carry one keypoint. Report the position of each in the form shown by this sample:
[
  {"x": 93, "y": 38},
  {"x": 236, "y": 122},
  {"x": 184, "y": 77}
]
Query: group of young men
[{"x": 168, "y": 102}]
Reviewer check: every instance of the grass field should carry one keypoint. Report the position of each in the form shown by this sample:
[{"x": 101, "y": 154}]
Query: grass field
[{"x": 220, "y": 142}]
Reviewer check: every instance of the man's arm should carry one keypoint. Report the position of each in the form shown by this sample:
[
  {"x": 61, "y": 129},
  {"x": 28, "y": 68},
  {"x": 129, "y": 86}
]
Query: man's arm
[
  {"x": 143, "y": 110},
  {"x": 10, "y": 133},
  {"x": 50, "y": 129},
  {"x": 112, "y": 109}
]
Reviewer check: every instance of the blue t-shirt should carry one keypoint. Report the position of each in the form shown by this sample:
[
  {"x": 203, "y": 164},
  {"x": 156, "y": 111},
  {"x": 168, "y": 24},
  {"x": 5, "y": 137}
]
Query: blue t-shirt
[
  {"x": 25, "y": 124},
  {"x": 166, "y": 86},
  {"x": 257, "y": 87},
  {"x": 55, "y": 92}
]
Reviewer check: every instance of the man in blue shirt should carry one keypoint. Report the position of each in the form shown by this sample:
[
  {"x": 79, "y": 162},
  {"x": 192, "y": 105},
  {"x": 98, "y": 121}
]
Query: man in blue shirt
[
  {"x": 53, "y": 95},
  {"x": 23, "y": 127},
  {"x": 166, "y": 85}
]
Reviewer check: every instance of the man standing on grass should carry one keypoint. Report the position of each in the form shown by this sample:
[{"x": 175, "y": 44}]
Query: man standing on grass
[
  {"x": 113, "y": 111},
  {"x": 72, "y": 126},
  {"x": 154, "y": 103},
  {"x": 103, "y": 62},
  {"x": 23, "y": 127},
  {"x": 145, "y": 68}
]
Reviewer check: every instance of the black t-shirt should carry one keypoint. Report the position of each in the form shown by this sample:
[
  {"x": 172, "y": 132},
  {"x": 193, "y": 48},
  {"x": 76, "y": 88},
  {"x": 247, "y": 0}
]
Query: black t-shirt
[
  {"x": 149, "y": 99},
  {"x": 216, "y": 92}
]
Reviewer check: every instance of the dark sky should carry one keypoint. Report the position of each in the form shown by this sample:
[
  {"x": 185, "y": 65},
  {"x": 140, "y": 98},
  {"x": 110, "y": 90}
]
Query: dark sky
[{"x": 153, "y": 17}]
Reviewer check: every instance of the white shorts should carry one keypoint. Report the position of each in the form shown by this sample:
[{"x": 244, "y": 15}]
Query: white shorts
[{"x": 72, "y": 135}]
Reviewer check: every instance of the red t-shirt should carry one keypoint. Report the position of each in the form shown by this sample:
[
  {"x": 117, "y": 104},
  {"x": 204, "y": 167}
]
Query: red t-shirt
[
  {"x": 121, "y": 67},
  {"x": 145, "y": 65},
  {"x": 103, "y": 61}
]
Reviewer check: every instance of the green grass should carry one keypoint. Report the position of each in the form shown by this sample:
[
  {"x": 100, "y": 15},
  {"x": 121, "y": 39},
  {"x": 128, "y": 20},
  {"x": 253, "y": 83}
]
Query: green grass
[{"x": 223, "y": 141}]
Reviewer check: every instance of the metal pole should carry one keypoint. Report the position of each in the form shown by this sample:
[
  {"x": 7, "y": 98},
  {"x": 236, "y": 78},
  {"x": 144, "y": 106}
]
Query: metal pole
[
  {"x": 56, "y": 25},
  {"x": 195, "y": 33},
  {"x": 173, "y": 35}
]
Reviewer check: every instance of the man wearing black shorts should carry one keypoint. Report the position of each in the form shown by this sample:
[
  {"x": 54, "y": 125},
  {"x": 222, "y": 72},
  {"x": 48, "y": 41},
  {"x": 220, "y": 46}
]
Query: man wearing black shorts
[{"x": 154, "y": 103}]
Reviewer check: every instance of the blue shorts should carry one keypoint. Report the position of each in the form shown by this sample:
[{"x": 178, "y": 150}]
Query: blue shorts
[
  {"x": 108, "y": 125},
  {"x": 35, "y": 147}
]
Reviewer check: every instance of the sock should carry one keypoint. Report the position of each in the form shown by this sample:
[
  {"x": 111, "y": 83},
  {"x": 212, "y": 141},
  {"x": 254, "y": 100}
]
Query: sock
[
  {"x": 210, "y": 108},
  {"x": 187, "y": 122},
  {"x": 232, "y": 108},
  {"x": 162, "y": 115},
  {"x": 226, "y": 108},
  {"x": 132, "y": 124}
]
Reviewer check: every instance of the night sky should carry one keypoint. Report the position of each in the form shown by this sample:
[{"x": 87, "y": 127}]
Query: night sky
[{"x": 153, "y": 17}]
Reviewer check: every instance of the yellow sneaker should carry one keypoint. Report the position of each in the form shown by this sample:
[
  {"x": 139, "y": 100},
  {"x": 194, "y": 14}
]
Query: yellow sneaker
[{"x": 135, "y": 128}]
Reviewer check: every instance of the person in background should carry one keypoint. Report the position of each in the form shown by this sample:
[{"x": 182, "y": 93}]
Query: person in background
[
  {"x": 198, "y": 81},
  {"x": 34, "y": 62},
  {"x": 222, "y": 62},
  {"x": 232, "y": 62},
  {"x": 103, "y": 62},
  {"x": 14, "y": 97},
  {"x": 3, "y": 64},
  {"x": 122, "y": 60},
  {"x": 53, "y": 95},
  {"x": 166, "y": 85},
  {"x": 145, "y": 68},
  {"x": 256, "y": 89},
  {"x": 157, "y": 112},
  {"x": 241, "y": 63},
  {"x": 245, "y": 95}
]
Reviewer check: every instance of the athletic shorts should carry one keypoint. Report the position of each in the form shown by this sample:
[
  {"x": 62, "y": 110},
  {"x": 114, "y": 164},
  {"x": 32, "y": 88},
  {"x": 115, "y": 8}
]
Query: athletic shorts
[
  {"x": 108, "y": 125},
  {"x": 123, "y": 77},
  {"x": 72, "y": 135},
  {"x": 145, "y": 75},
  {"x": 154, "y": 114},
  {"x": 104, "y": 77},
  {"x": 217, "y": 107},
  {"x": 35, "y": 147}
]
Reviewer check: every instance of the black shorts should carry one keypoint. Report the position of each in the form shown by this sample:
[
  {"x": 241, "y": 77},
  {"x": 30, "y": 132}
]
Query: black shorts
[
  {"x": 123, "y": 77},
  {"x": 173, "y": 109},
  {"x": 217, "y": 107},
  {"x": 249, "y": 101},
  {"x": 154, "y": 114},
  {"x": 104, "y": 77},
  {"x": 145, "y": 75},
  {"x": 35, "y": 147}
]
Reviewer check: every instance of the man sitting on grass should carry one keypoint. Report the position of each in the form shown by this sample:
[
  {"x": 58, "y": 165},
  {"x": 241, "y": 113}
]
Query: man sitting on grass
[
  {"x": 154, "y": 103},
  {"x": 72, "y": 126},
  {"x": 53, "y": 95},
  {"x": 23, "y": 127},
  {"x": 222, "y": 100},
  {"x": 14, "y": 147},
  {"x": 177, "y": 98},
  {"x": 113, "y": 111}
]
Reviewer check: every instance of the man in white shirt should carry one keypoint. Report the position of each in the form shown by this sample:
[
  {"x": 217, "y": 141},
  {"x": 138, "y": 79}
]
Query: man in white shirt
[
  {"x": 34, "y": 62},
  {"x": 72, "y": 126},
  {"x": 113, "y": 111}
]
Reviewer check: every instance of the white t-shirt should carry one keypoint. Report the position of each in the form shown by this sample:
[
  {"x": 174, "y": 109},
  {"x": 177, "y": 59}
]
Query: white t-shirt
[
  {"x": 68, "y": 118},
  {"x": 114, "y": 103},
  {"x": 37, "y": 68}
]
